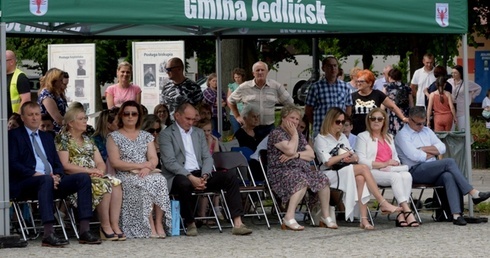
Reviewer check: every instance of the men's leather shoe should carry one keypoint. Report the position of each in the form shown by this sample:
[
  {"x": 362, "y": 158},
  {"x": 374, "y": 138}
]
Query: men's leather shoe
[
  {"x": 191, "y": 230},
  {"x": 53, "y": 241},
  {"x": 88, "y": 238},
  {"x": 241, "y": 231},
  {"x": 482, "y": 196},
  {"x": 460, "y": 221}
]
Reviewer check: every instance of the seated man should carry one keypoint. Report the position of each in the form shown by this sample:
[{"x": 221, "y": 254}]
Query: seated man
[
  {"x": 418, "y": 147},
  {"x": 187, "y": 166},
  {"x": 36, "y": 173}
]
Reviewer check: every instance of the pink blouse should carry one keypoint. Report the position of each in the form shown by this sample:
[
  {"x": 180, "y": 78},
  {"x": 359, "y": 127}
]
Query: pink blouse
[
  {"x": 122, "y": 95},
  {"x": 384, "y": 152}
]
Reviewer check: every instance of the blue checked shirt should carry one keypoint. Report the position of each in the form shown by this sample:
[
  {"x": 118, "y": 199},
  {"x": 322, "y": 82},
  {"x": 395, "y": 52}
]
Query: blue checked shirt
[{"x": 322, "y": 96}]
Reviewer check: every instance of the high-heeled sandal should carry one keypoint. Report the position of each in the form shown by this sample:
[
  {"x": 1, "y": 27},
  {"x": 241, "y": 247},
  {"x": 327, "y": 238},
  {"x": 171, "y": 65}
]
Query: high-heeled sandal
[
  {"x": 386, "y": 211},
  {"x": 328, "y": 223},
  {"x": 107, "y": 237},
  {"x": 291, "y": 224},
  {"x": 120, "y": 236},
  {"x": 399, "y": 222},
  {"x": 412, "y": 224},
  {"x": 366, "y": 227}
]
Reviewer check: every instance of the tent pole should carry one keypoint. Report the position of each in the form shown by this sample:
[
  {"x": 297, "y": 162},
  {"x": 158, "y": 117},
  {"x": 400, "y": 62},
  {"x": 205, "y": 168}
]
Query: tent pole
[
  {"x": 219, "y": 89},
  {"x": 467, "y": 102},
  {"x": 4, "y": 160}
]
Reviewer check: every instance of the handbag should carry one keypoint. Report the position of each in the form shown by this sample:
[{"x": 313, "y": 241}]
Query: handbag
[
  {"x": 175, "y": 210},
  {"x": 339, "y": 150},
  {"x": 226, "y": 123}
]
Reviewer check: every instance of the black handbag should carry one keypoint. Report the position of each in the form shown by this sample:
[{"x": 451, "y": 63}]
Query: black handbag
[
  {"x": 226, "y": 124},
  {"x": 340, "y": 148}
]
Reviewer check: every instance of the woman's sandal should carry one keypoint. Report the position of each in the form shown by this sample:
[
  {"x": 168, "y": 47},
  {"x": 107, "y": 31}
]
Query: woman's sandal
[
  {"x": 412, "y": 224},
  {"x": 328, "y": 223},
  {"x": 401, "y": 223},
  {"x": 120, "y": 236},
  {"x": 291, "y": 224},
  {"x": 387, "y": 211},
  {"x": 364, "y": 226}
]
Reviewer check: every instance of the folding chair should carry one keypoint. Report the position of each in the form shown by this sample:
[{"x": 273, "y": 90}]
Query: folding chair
[
  {"x": 246, "y": 151},
  {"x": 263, "y": 165},
  {"x": 420, "y": 206},
  {"x": 25, "y": 229},
  {"x": 235, "y": 160}
]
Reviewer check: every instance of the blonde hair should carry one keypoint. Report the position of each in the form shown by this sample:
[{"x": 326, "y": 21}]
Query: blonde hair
[
  {"x": 329, "y": 119},
  {"x": 71, "y": 115},
  {"x": 48, "y": 81},
  {"x": 288, "y": 109},
  {"x": 384, "y": 130}
]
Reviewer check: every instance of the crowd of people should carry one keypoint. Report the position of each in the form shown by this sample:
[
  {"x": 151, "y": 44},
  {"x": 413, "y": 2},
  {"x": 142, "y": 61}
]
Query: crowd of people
[{"x": 128, "y": 166}]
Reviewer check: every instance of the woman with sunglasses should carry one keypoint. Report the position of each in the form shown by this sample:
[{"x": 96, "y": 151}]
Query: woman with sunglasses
[
  {"x": 153, "y": 125},
  {"x": 133, "y": 155},
  {"x": 353, "y": 178},
  {"x": 376, "y": 149},
  {"x": 289, "y": 171},
  {"x": 123, "y": 90},
  {"x": 366, "y": 98}
]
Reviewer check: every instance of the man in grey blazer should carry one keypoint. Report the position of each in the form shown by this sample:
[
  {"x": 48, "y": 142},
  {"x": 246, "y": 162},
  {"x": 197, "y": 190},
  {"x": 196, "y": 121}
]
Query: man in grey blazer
[{"x": 187, "y": 166}]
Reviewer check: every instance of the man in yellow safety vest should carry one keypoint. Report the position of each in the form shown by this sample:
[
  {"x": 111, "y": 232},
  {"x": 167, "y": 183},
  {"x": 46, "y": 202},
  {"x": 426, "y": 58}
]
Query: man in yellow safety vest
[{"x": 18, "y": 90}]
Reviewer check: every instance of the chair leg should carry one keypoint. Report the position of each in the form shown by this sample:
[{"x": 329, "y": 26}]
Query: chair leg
[
  {"x": 226, "y": 209},
  {"x": 20, "y": 220},
  {"x": 417, "y": 215},
  {"x": 71, "y": 216},
  {"x": 61, "y": 222}
]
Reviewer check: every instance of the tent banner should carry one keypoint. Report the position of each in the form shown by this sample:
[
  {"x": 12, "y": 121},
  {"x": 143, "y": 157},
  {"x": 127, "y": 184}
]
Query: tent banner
[
  {"x": 149, "y": 62},
  {"x": 340, "y": 16}
]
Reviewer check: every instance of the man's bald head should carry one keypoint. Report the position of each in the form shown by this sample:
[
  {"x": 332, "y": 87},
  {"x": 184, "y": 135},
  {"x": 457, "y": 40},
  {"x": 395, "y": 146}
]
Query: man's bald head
[{"x": 11, "y": 61}]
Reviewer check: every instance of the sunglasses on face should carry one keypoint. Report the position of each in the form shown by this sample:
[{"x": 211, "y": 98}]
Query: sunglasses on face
[
  {"x": 338, "y": 122},
  {"x": 376, "y": 118},
  {"x": 418, "y": 124},
  {"x": 169, "y": 69},
  {"x": 153, "y": 130},
  {"x": 127, "y": 113},
  {"x": 360, "y": 81}
]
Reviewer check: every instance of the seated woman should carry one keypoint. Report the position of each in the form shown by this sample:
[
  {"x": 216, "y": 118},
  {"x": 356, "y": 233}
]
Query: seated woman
[
  {"x": 246, "y": 134},
  {"x": 161, "y": 110},
  {"x": 376, "y": 149},
  {"x": 289, "y": 172},
  {"x": 106, "y": 123},
  {"x": 354, "y": 174},
  {"x": 78, "y": 154},
  {"x": 132, "y": 154}
]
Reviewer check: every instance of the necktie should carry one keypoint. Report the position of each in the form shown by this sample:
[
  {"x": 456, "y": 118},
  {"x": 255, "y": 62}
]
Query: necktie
[{"x": 47, "y": 167}]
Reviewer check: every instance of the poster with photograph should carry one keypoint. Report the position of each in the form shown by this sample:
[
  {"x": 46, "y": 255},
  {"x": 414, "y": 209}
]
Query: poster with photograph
[
  {"x": 78, "y": 60},
  {"x": 149, "y": 61}
]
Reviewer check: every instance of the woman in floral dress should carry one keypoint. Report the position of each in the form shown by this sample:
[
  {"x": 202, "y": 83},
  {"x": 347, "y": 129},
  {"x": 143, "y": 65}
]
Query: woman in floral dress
[
  {"x": 52, "y": 96},
  {"x": 133, "y": 155},
  {"x": 78, "y": 154},
  {"x": 392, "y": 91},
  {"x": 289, "y": 172}
]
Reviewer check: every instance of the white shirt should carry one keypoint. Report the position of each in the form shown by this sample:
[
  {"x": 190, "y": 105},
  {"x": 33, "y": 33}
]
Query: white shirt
[
  {"x": 423, "y": 79},
  {"x": 379, "y": 84},
  {"x": 408, "y": 143},
  {"x": 485, "y": 103},
  {"x": 262, "y": 146},
  {"x": 191, "y": 163},
  {"x": 324, "y": 144}
]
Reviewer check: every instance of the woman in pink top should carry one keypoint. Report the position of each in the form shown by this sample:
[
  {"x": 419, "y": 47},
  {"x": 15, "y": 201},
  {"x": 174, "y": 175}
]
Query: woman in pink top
[
  {"x": 442, "y": 103},
  {"x": 376, "y": 149},
  {"x": 124, "y": 90}
]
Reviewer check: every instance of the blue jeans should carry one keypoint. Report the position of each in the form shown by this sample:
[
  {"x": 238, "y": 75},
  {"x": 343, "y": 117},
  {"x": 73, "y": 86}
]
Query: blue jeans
[{"x": 445, "y": 173}]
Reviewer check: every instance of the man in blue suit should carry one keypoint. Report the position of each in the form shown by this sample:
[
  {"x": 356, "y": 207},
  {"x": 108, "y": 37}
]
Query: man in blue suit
[
  {"x": 36, "y": 173},
  {"x": 187, "y": 166}
]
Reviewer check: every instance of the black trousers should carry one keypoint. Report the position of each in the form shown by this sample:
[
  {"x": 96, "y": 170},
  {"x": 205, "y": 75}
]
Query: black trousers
[{"x": 182, "y": 187}]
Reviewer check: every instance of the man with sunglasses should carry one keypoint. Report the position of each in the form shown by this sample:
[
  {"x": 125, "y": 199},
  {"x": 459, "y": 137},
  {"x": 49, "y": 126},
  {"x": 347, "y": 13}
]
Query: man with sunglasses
[
  {"x": 179, "y": 89},
  {"x": 418, "y": 146}
]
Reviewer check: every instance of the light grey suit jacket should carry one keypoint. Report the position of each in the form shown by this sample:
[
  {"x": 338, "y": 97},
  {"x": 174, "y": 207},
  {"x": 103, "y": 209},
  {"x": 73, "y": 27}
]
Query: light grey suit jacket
[{"x": 172, "y": 153}]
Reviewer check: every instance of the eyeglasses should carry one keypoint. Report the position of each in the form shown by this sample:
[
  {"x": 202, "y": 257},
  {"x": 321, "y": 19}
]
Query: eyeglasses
[
  {"x": 417, "y": 124},
  {"x": 153, "y": 130},
  {"x": 360, "y": 81},
  {"x": 8, "y": 60},
  {"x": 376, "y": 118},
  {"x": 338, "y": 122},
  {"x": 169, "y": 69},
  {"x": 127, "y": 113}
]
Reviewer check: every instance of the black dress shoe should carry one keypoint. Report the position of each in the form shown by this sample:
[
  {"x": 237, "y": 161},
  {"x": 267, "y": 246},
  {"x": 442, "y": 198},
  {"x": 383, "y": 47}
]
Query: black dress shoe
[
  {"x": 53, "y": 241},
  {"x": 482, "y": 196},
  {"x": 460, "y": 221},
  {"x": 88, "y": 238}
]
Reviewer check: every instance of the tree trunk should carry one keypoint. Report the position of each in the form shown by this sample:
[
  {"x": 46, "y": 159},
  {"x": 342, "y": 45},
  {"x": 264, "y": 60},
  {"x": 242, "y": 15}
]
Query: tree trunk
[{"x": 231, "y": 58}]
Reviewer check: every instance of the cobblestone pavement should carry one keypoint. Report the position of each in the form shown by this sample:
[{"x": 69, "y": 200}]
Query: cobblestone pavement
[{"x": 431, "y": 239}]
